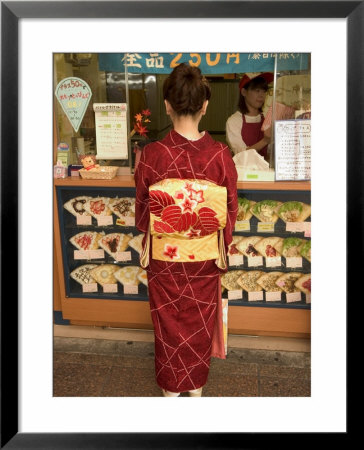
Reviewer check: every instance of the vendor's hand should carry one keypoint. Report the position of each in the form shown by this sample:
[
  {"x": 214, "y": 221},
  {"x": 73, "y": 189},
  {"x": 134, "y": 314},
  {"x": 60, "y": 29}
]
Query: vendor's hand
[{"x": 268, "y": 133}]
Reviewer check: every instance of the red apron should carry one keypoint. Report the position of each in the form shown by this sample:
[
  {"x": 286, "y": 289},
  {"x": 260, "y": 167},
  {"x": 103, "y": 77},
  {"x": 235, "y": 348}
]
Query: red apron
[{"x": 252, "y": 133}]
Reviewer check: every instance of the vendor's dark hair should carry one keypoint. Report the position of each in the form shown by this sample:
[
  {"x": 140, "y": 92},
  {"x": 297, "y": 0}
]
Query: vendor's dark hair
[
  {"x": 258, "y": 82},
  {"x": 186, "y": 90}
]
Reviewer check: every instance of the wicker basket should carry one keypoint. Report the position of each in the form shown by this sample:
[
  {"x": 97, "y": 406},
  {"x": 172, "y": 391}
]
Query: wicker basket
[{"x": 103, "y": 173}]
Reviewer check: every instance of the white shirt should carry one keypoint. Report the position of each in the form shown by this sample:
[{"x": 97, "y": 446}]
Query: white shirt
[{"x": 233, "y": 130}]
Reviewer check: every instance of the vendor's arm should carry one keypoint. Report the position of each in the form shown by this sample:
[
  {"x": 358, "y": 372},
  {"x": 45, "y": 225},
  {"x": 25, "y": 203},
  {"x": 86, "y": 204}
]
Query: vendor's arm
[
  {"x": 260, "y": 144},
  {"x": 233, "y": 133}
]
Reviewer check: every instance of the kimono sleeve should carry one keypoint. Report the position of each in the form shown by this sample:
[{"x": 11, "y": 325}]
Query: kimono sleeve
[
  {"x": 142, "y": 183},
  {"x": 230, "y": 182}
]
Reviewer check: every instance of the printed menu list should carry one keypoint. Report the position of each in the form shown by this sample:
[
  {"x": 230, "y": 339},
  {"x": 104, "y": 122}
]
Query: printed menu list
[
  {"x": 293, "y": 149},
  {"x": 111, "y": 130}
]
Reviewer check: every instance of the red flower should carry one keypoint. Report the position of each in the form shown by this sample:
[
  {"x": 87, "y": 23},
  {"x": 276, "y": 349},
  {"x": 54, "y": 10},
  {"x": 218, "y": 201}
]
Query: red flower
[
  {"x": 193, "y": 233},
  {"x": 171, "y": 251},
  {"x": 140, "y": 129},
  {"x": 197, "y": 195},
  {"x": 138, "y": 117},
  {"x": 146, "y": 112},
  {"x": 188, "y": 205}
]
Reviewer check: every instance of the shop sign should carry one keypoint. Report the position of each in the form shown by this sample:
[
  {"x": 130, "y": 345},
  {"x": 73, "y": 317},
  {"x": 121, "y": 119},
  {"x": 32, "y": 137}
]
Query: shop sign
[
  {"x": 209, "y": 63},
  {"x": 74, "y": 96}
]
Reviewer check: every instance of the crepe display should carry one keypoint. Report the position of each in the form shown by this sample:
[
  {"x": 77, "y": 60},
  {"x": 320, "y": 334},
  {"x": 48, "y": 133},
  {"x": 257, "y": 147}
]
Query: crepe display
[
  {"x": 294, "y": 211},
  {"x": 232, "y": 247},
  {"x": 128, "y": 275},
  {"x": 266, "y": 246},
  {"x": 142, "y": 277},
  {"x": 248, "y": 281},
  {"x": 98, "y": 206},
  {"x": 86, "y": 240},
  {"x": 304, "y": 283},
  {"x": 287, "y": 282},
  {"x": 228, "y": 280},
  {"x": 104, "y": 274},
  {"x": 244, "y": 206},
  {"x": 268, "y": 281},
  {"x": 82, "y": 274},
  {"x": 76, "y": 206},
  {"x": 115, "y": 242},
  {"x": 266, "y": 210},
  {"x": 305, "y": 250},
  {"x": 123, "y": 207},
  {"x": 292, "y": 247},
  {"x": 247, "y": 246},
  {"x": 136, "y": 243},
  {"x": 279, "y": 245}
]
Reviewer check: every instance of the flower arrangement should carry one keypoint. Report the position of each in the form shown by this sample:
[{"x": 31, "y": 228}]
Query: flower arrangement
[{"x": 139, "y": 125}]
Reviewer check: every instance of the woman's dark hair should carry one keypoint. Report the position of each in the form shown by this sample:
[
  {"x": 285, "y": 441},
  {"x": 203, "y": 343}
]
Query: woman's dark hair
[
  {"x": 186, "y": 90},
  {"x": 255, "y": 83}
]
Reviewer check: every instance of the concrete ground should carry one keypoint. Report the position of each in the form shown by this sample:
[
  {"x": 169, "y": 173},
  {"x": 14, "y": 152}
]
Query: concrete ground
[{"x": 96, "y": 362}]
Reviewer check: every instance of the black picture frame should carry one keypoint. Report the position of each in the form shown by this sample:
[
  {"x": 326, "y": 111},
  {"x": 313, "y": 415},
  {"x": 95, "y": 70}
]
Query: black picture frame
[{"x": 11, "y": 12}]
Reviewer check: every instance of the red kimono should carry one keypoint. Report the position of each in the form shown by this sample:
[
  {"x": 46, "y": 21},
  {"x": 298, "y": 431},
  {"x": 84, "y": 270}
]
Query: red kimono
[{"x": 185, "y": 297}]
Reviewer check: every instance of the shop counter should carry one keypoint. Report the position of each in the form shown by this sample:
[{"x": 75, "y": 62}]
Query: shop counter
[{"x": 116, "y": 304}]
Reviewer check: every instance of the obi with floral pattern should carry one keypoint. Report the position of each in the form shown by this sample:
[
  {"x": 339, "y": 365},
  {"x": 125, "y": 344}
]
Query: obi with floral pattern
[{"x": 185, "y": 217}]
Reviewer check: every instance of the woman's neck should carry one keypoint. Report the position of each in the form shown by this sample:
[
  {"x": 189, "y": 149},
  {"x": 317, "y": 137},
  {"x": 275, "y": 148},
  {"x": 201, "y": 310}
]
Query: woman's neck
[
  {"x": 187, "y": 126},
  {"x": 252, "y": 112}
]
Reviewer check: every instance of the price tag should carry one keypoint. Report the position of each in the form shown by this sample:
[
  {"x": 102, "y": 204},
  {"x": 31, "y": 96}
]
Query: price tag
[
  {"x": 273, "y": 261},
  {"x": 242, "y": 225},
  {"x": 235, "y": 295},
  {"x": 236, "y": 260},
  {"x": 307, "y": 229},
  {"x": 112, "y": 287},
  {"x": 130, "y": 289},
  {"x": 123, "y": 256},
  {"x": 97, "y": 254},
  {"x": 255, "y": 296},
  {"x": 84, "y": 220},
  {"x": 293, "y": 261},
  {"x": 265, "y": 227},
  {"x": 81, "y": 254},
  {"x": 308, "y": 298},
  {"x": 89, "y": 287},
  {"x": 255, "y": 261},
  {"x": 130, "y": 221},
  {"x": 104, "y": 220},
  {"x": 293, "y": 297},
  {"x": 295, "y": 227},
  {"x": 273, "y": 296}
]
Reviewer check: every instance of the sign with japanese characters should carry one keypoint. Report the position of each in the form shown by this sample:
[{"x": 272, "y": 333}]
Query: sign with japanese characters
[
  {"x": 292, "y": 149},
  {"x": 111, "y": 130},
  {"x": 74, "y": 96},
  {"x": 209, "y": 63}
]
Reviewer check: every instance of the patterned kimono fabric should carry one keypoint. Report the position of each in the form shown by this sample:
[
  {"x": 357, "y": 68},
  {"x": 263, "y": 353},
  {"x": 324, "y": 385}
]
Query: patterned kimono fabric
[{"x": 184, "y": 296}]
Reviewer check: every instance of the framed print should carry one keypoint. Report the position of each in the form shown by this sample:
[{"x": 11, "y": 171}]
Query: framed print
[{"x": 21, "y": 160}]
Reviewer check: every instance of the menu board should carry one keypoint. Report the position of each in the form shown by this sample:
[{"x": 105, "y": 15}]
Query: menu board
[
  {"x": 293, "y": 149},
  {"x": 111, "y": 130}
]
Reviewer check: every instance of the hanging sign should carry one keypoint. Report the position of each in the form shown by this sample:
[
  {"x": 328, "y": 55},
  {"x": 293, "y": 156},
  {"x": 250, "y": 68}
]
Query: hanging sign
[
  {"x": 209, "y": 63},
  {"x": 292, "y": 149},
  {"x": 74, "y": 96}
]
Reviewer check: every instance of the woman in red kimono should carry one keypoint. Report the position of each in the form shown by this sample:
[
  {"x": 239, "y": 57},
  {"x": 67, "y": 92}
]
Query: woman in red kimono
[{"x": 185, "y": 297}]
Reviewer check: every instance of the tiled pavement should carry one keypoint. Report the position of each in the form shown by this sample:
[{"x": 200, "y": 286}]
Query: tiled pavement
[{"x": 86, "y": 367}]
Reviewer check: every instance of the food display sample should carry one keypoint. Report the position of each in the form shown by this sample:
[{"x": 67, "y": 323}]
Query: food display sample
[
  {"x": 305, "y": 250},
  {"x": 247, "y": 246},
  {"x": 248, "y": 281},
  {"x": 304, "y": 283},
  {"x": 232, "y": 247},
  {"x": 266, "y": 210},
  {"x": 115, "y": 242},
  {"x": 294, "y": 211},
  {"x": 229, "y": 280},
  {"x": 291, "y": 247},
  {"x": 82, "y": 274},
  {"x": 244, "y": 206},
  {"x": 104, "y": 273},
  {"x": 128, "y": 275},
  {"x": 268, "y": 281},
  {"x": 266, "y": 246},
  {"x": 142, "y": 276},
  {"x": 86, "y": 240},
  {"x": 76, "y": 206},
  {"x": 287, "y": 282},
  {"x": 98, "y": 206},
  {"x": 136, "y": 243},
  {"x": 122, "y": 207}
]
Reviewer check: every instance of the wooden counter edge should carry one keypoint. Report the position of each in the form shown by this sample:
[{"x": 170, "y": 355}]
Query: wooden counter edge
[{"x": 128, "y": 181}]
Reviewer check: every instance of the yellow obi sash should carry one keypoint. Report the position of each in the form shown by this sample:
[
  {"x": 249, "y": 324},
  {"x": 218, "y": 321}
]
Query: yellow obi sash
[{"x": 185, "y": 218}]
